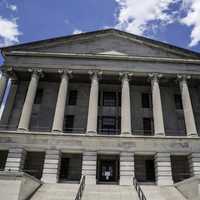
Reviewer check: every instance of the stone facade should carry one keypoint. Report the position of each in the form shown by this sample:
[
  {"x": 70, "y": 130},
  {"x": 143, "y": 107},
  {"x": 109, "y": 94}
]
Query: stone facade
[{"x": 44, "y": 75}]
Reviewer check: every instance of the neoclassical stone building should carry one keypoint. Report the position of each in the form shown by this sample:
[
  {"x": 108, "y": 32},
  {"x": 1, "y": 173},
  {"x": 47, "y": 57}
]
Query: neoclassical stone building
[{"x": 106, "y": 104}]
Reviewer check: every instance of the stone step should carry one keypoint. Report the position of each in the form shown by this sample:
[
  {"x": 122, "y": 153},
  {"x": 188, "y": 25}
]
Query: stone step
[
  {"x": 162, "y": 193},
  {"x": 109, "y": 192},
  {"x": 56, "y": 191}
]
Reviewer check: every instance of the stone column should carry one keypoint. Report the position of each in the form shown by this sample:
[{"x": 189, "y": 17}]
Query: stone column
[
  {"x": 125, "y": 105},
  {"x": 194, "y": 161},
  {"x": 126, "y": 168},
  {"x": 28, "y": 104},
  {"x": 93, "y": 104},
  {"x": 89, "y": 166},
  {"x": 15, "y": 159},
  {"x": 163, "y": 169},
  {"x": 187, "y": 107},
  {"x": 3, "y": 84},
  {"x": 9, "y": 102},
  {"x": 157, "y": 105},
  {"x": 51, "y": 166},
  {"x": 60, "y": 105}
]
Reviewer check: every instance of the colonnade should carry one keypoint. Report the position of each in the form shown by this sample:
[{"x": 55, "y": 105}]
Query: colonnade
[{"x": 126, "y": 129}]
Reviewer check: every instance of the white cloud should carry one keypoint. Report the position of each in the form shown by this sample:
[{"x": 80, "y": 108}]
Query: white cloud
[
  {"x": 192, "y": 19},
  {"x": 77, "y": 31},
  {"x": 135, "y": 16},
  {"x": 139, "y": 17},
  {"x": 9, "y": 32},
  {"x": 12, "y": 7}
]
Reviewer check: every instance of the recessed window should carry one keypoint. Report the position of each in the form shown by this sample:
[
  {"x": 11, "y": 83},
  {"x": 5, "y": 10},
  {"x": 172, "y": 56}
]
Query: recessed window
[
  {"x": 109, "y": 99},
  {"x": 68, "y": 123},
  {"x": 108, "y": 124},
  {"x": 72, "y": 97},
  {"x": 147, "y": 126},
  {"x": 178, "y": 101},
  {"x": 145, "y": 100},
  {"x": 38, "y": 97}
]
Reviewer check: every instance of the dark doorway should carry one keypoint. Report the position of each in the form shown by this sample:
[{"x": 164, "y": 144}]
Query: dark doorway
[
  {"x": 180, "y": 168},
  {"x": 107, "y": 169},
  {"x": 3, "y": 158},
  {"x": 145, "y": 168},
  {"x": 71, "y": 167},
  {"x": 150, "y": 170},
  {"x": 34, "y": 163}
]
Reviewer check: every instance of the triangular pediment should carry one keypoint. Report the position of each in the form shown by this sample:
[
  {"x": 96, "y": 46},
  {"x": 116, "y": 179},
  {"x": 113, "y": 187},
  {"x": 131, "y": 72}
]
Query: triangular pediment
[{"x": 106, "y": 42}]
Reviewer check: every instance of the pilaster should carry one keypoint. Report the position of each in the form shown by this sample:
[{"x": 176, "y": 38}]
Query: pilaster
[
  {"x": 194, "y": 161},
  {"x": 89, "y": 166},
  {"x": 15, "y": 159},
  {"x": 51, "y": 166},
  {"x": 163, "y": 169},
  {"x": 126, "y": 168}
]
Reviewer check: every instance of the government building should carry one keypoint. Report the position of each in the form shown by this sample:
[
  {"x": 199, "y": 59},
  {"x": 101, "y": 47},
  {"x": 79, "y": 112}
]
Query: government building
[{"x": 107, "y": 105}]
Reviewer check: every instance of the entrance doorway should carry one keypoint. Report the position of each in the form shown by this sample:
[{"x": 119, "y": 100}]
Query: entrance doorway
[
  {"x": 107, "y": 169},
  {"x": 145, "y": 168},
  {"x": 70, "y": 168},
  {"x": 34, "y": 163}
]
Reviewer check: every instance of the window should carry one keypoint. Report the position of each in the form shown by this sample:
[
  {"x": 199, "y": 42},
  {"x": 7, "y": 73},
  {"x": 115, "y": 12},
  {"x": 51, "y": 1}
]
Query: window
[
  {"x": 68, "y": 123},
  {"x": 108, "y": 125},
  {"x": 72, "y": 97},
  {"x": 145, "y": 100},
  {"x": 38, "y": 97},
  {"x": 109, "y": 99},
  {"x": 119, "y": 98},
  {"x": 147, "y": 127},
  {"x": 178, "y": 101}
]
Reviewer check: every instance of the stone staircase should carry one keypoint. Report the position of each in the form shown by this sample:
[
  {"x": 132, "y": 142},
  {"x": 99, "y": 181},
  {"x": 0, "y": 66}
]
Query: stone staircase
[
  {"x": 109, "y": 192},
  {"x": 161, "y": 193},
  {"x": 56, "y": 191}
]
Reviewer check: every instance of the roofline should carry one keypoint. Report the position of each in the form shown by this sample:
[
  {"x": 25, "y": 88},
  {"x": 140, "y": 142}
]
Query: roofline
[{"x": 137, "y": 37}]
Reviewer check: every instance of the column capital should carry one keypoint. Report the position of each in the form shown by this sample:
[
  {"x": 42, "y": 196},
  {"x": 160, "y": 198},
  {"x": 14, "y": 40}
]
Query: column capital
[
  {"x": 65, "y": 72},
  {"x": 155, "y": 76},
  {"x": 125, "y": 76},
  {"x": 95, "y": 74},
  {"x": 183, "y": 77},
  {"x": 37, "y": 72}
]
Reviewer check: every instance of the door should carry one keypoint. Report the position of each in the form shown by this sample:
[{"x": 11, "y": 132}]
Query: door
[
  {"x": 64, "y": 168},
  {"x": 107, "y": 171},
  {"x": 150, "y": 170}
]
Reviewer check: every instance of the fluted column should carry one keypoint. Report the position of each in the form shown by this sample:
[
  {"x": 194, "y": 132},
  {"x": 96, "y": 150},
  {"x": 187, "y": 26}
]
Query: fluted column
[
  {"x": 60, "y": 105},
  {"x": 28, "y": 104},
  {"x": 93, "y": 104},
  {"x": 3, "y": 84},
  {"x": 187, "y": 106},
  {"x": 157, "y": 105},
  {"x": 125, "y": 105}
]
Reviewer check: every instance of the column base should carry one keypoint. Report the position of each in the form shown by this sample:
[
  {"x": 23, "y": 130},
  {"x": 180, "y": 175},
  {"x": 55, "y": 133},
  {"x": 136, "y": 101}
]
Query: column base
[
  {"x": 192, "y": 134},
  {"x": 126, "y": 133},
  {"x": 91, "y": 132},
  {"x": 56, "y": 131},
  {"x": 126, "y": 180},
  {"x": 90, "y": 180},
  {"x": 22, "y": 129},
  {"x": 164, "y": 182},
  {"x": 159, "y": 134}
]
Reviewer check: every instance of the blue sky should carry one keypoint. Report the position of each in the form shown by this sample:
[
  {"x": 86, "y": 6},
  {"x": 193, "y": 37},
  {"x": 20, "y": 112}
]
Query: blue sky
[{"x": 173, "y": 21}]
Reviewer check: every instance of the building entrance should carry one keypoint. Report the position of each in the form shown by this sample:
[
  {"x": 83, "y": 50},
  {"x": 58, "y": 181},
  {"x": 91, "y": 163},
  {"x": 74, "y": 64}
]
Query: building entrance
[
  {"x": 70, "y": 167},
  {"x": 107, "y": 169}
]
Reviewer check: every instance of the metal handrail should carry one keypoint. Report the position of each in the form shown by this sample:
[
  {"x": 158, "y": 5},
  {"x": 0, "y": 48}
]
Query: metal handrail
[
  {"x": 81, "y": 188},
  {"x": 138, "y": 189}
]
